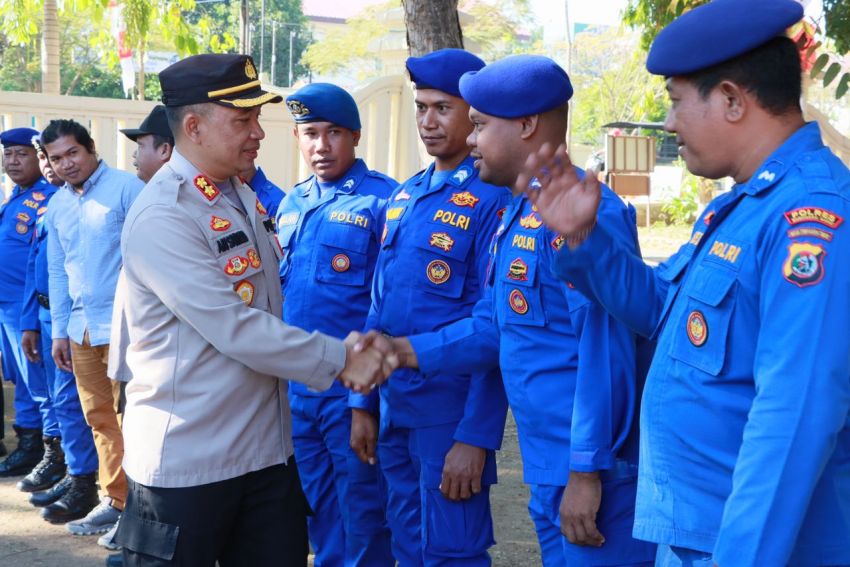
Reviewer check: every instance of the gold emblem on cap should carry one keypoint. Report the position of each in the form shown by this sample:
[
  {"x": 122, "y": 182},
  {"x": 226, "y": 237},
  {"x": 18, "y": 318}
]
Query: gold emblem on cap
[
  {"x": 297, "y": 108},
  {"x": 250, "y": 72}
]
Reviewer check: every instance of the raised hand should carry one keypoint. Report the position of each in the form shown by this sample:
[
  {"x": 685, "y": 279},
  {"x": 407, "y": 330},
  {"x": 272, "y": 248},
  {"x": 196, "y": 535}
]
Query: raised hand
[
  {"x": 566, "y": 204},
  {"x": 579, "y": 508},
  {"x": 364, "y": 435}
]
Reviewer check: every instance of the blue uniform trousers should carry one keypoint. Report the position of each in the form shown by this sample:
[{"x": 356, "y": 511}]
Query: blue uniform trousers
[
  {"x": 77, "y": 439},
  {"x": 33, "y": 409},
  {"x": 614, "y": 520},
  {"x": 355, "y": 534},
  {"x": 427, "y": 528}
]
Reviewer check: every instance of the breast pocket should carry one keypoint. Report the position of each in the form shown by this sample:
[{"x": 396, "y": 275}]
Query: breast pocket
[
  {"x": 341, "y": 257},
  {"x": 519, "y": 296},
  {"x": 700, "y": 336},
  {"x": 441, "y": 261}
]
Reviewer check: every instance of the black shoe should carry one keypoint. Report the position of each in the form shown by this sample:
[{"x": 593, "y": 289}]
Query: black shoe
[
  {"x": 49, "y": 471},
  {"x": 26, "y": 456},
  {"x": 48, "y": 497},
  {"x": 80, "y": 499},
  {"x": 115, "y": 560}
]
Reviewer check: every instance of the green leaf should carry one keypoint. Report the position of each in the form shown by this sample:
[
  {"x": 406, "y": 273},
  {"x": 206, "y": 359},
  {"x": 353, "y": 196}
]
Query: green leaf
[
  {"x": 831, "y": 73},
  {"x": 843, "y": 86},
  {"x": 820, "y": 63}
]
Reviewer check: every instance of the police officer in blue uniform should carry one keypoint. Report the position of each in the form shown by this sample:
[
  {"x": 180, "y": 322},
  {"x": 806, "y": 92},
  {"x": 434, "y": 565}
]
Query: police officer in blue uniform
[
  {"x": 77, "y": 443},
  {"x": 569, "y": 368},
  {"x": 329, "y": 227},
  {"x": 269, "y": 194},
  {"x": 745, "y": 436},
  {"x": 438, "y": 430},
  {"x": 35, "y": 422}
]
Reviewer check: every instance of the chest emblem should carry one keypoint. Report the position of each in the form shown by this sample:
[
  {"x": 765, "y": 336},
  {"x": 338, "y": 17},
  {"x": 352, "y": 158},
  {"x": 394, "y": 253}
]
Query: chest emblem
[
  {"x": 23, "y": 217},
  {"x": 697, "y": 328},
  {"x": 261, "y": 209},
  {"x": 38, "y": 196},
  {"x": 236, "y": 266},
  {"x": 465, "y": 199},
  {"x": 804, "y": 265},
  {"x": 442, "y": 241},
  {"x": 219, "y": 224},
  {"x": 254, "y": 258},
  {"x": 531, "y": 221},
  {"x": 245, "y": 291},
  {"x": 22, "y": 228},
  {"x": 206, "y": 187},
  {"x": 340, "y": 263},
  {"x": 438, "y": 272},
  {"x": 518, "y": 303},
  {"x": 41, "y": 211},
  {"x": 518, "y": 271}
]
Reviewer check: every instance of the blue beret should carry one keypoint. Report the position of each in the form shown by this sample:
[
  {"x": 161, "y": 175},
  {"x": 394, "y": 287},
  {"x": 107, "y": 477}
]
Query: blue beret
[
  {"x": 18, "y": 137},
  {"x": 717, "y": 32},
  {"x": 442, "y": 69},
  {"x": 324, "y": 102},
  {"x": 519, "y": 85}
]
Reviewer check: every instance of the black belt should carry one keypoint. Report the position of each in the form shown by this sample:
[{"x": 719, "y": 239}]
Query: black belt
[{"x": 43, "y": 300}]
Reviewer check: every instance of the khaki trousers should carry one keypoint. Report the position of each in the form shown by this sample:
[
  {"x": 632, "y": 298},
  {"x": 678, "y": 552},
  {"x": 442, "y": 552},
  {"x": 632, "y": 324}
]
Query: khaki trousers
[{"x": 99, "y": 398}]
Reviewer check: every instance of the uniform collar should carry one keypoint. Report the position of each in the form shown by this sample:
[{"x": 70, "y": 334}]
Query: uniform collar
[
  {"x": 346, "y": 184},
  {"x": 38, "y": 185},
  {"x": 460, "y": 177},
  {"x": 774, "y": 168}
]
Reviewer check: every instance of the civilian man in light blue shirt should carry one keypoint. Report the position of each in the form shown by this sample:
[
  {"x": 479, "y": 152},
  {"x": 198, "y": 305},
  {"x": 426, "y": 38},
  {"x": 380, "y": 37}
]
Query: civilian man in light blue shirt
[{"x": 83, "y": 257}]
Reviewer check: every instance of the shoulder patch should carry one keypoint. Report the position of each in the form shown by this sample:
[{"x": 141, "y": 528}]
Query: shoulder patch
[
  {"x": 814, "y": 214},
  {"x": 805, "y": 264}
]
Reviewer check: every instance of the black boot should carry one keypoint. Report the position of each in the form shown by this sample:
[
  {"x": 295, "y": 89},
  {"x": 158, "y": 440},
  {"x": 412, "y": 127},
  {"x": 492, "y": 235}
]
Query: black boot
[
  {"x": 49, "y": 471},
  {"x": 80, "y": 499},
  {"x": 48, "y": 497},
  {"x": 26, "y": 456}
]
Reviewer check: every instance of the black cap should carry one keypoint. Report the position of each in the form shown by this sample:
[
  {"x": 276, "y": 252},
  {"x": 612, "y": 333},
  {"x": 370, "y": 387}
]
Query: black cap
[
  {"x": 155, "y": 123},
  {"x": 224, "y": 78}
]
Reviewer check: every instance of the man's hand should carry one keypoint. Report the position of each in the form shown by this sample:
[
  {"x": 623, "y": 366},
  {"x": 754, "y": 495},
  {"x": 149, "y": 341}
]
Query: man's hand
[
  {"x": 29, "y": 344},
  {"x": 397, "y": 347},
  {"x": 566, "y": 204},
  {"x": 462, "y": 471},
  {"x": 579, "y": 507},
  {"x": 365, "y": 368},
  {"x": 364, "y": 435},
  {"x": 61, "y": 351}
]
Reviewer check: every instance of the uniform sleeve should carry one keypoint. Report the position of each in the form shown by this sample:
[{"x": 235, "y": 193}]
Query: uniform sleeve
[
  {"x": 369, "y": 402},
  {"x": 801, "y": 370},
  {"x": 29, "y": 314},
  {"x": 159, "y": 250},
  {"x": 60, "y": 304}
]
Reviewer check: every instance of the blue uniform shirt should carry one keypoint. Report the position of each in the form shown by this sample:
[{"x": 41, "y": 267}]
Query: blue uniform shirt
[
  {"x": 430, "y": 273},
  {"x": 83, "y": 252},
  {"x": 36, "y": 276},
  {"x": 18, "y": 215},
  {"x": 269, "y": 194},
  {"x": 330, "y": 244},
  {"x": 745, "y": 427},
  {"x": 568, "y": 367}
]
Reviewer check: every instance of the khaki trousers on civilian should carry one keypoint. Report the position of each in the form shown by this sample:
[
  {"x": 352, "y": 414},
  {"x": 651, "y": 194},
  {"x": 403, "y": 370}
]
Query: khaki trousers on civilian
[{"x": 99, "y": 397}]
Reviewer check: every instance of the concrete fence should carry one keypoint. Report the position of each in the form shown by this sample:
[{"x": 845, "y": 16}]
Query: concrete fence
[{"x": 389, "y": 142}]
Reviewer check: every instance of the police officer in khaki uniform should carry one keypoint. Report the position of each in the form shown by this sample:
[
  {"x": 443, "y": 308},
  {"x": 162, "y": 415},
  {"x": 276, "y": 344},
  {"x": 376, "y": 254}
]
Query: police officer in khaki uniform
[{"x": 198, "y": 326}]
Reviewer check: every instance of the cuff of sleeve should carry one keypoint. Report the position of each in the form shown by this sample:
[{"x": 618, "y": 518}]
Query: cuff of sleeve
[
  {"x": 476, "y": 439},
  {"x": 330, "y": 366},
  {"x": 30, "y": 324},
  {"x": 591, "y": 460},
  {"x": 58, "y": 332},
  {"x": 428, "y": 355},
  {"x": 368, "y": 402}
]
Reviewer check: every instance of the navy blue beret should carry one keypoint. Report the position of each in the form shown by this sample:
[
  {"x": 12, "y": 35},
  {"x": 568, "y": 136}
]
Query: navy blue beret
[
  {"x": 717, "y": 32},
  {"x": 18, "y": 137},
  {"x": 519, "y": 85},
  {"x": 324, "y": 102},
  {"x": 442, "y": 69}
]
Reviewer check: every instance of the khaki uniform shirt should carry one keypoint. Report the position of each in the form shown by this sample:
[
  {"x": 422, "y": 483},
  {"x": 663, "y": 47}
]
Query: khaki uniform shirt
[{"x": 197, "y": 325}]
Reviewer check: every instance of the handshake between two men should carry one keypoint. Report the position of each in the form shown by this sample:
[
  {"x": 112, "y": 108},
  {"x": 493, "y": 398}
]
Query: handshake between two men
[{"x": 372, "y": 357}]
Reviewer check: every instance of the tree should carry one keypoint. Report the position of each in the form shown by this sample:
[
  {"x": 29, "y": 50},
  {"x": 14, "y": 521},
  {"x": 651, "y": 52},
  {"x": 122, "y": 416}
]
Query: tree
[{"x": 431, "y": 25}]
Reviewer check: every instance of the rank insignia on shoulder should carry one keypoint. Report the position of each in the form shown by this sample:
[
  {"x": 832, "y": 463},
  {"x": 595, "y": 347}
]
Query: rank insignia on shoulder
[
  {"x": 697, "y": 328},
  {"x": 518, "y": 303},
  {"x": 254, "y": 258},
  {"x": 261, "y": 209},
  {"x": 395, "y": 213},
  {"x": 438, "y": 272},
  {"x": 518, "y": 271},
  {"x": 402, "y": 196},
  {"x": 340, "y": 263},
  {"x": 219, "y": 224},
  {"x": 41, "y": 211},
  {"x": 23, "y": 217},
  {"x": 38, "y": 196},
  {"x": 442, "y": 241},
  {"x": 236, "y": 266},
  {"x": 558, "y": 242},
  {"x": 21, "y": 228},
  {"x": 532, "y": 221},
  {"x": 245, "y": 291},
  {"x": 207, "y": 188},
  {"x": 814, "y": 214},
  {"x": 460, "y": 175},
  {"x": 804, "y": 265},
  {"x": 465, "y": 199}
]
